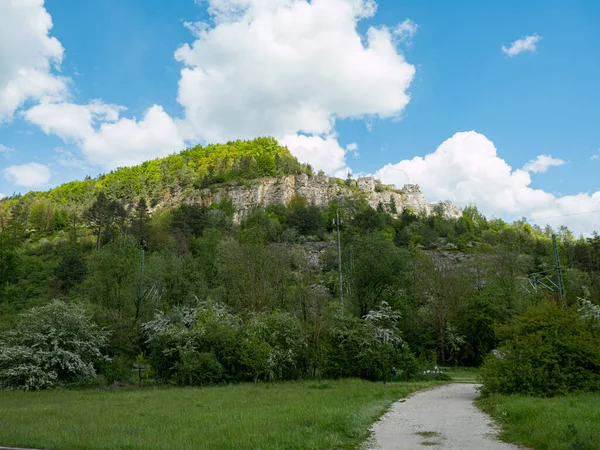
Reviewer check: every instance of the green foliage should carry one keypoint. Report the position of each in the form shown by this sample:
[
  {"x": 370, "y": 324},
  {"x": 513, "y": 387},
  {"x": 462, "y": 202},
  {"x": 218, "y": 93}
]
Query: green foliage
[
  {"x": 153, "y": 182},
  {"x": 253, "y": 275},
  {"x": 102, "y": 215},
  {"x": 71, "y": 270},
  {"x": 303, "y": 217},
  {"x": 547, "y": 351},
  {"x": 9, "y": 257},
  {"x": 285, "y": 341},
  {"x": 193, "y": 346},
  {"x": 362, "y": 348},
  {"x": 144, "y": 239},
  {"x": 374, "y": 268},
  {"x": 116, "y": 370},
  {"x": 207, "y": 345},
  {"x": 194, "y": 368},
  {"x": 56, "y": 343}
]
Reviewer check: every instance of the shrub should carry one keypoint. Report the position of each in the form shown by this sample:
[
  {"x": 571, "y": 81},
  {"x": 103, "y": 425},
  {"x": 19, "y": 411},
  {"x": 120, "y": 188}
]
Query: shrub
[
  {"x": 51, "y": 344},
  {"x": 367, "y": 348},
  {"x": 71, "y": 270},
  {"x": 253, "y": 354},
  {"x": 195, "y": 368},
  {"x": 193, "y": 346},
  {"x": 117, "y": 370},
  {"x": 547, "y": 351},
  {"x": 279, "y": 338}
]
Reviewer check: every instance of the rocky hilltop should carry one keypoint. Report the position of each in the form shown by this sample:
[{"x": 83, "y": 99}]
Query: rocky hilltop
[{"x": 320, "y": 190}]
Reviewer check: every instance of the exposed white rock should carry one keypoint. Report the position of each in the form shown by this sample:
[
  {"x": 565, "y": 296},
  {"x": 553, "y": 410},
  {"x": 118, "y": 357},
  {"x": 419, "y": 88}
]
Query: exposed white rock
[{"x": 320, "y": 190}]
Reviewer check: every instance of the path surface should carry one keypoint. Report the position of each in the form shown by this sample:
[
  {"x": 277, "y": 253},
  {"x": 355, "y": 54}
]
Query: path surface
[{"x": 443, "y": 418}]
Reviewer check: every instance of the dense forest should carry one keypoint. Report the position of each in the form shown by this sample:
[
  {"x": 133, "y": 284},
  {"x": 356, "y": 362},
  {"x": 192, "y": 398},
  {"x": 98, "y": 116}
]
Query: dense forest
[{"x": 199, "y": 299}]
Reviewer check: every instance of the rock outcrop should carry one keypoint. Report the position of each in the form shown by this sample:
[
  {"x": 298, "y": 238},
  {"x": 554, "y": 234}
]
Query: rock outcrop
[{"x": 320, "y": 190}]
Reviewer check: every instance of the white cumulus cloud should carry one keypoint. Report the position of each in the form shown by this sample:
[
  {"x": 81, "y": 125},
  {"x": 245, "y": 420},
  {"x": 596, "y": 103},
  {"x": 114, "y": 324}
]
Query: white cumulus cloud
[
  {"x": 279, "y": 67},
  {"x": 595, "y": 156},
  {"x": 467, "y": 169},
  {"x": 28, "y": 55},
  {"x": 104, "y": 137},
  {"x": 542, "y": 163},
  {"x": 29, "y": 175},
  {"x": 130, "y": 141},
  {"x": 284, "y": 68},
  {"x": 525, "y": 44},
  {"x": 69, "y": 121},
  {"x": 322, "y": 153}
]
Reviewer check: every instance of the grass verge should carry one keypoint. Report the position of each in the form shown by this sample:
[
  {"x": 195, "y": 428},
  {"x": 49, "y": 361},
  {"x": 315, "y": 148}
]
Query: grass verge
[
  {"x": 463, "y": 374},
  {"x": 571, "y": 422},
  {"x": 296, "y": 415}
]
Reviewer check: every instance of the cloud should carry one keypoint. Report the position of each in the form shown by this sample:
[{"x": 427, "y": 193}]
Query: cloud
[
  {"x": 525, "y": 44},
  {"x": 595, "y": 156},
  {"x": 29, "y": 175},
  {"x": 282, "y": 67},
  {"x": 26, "y": 74},
  {"x": 542, "y": 163},
  {"x": 467, "y": 169},
  {"x": 353, "y": 148},
  {"x": 322, "y": 153},
  {"x": 26, "y": 64},
  {"x": 69, "y": 121},
  {"x": 406, "y": 30},
  {"x": 5, "y": 149},
  {"x": 104, "y": 137},
  {"x": 130, "y": 141},
  {"x": 2, "y": 196}
]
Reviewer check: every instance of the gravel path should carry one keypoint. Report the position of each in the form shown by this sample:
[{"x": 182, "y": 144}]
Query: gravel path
[{"x": 443, "y": 418}]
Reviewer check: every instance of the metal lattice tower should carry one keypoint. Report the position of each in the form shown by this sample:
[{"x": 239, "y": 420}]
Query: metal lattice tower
[
  {"x": 339, "y": 255},
  {"x": 559, "y": 278}
]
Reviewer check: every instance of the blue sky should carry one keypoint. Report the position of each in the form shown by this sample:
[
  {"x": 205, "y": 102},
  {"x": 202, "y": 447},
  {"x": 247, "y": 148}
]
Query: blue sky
[{"x": 425, "y": 72}]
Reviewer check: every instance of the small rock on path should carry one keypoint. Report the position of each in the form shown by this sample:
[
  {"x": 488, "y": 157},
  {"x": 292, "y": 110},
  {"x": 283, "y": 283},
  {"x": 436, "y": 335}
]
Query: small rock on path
[{"x": 443, "y": 418}]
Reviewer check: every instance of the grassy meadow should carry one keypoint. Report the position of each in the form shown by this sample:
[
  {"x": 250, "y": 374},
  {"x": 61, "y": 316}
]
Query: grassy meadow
[
  {"x": 292, "y": 415},
  {"x": 571, "y": 422}
]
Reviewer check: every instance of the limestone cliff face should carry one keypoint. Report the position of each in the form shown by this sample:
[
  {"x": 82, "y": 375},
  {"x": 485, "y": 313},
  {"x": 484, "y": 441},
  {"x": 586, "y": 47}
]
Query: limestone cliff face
[{"x": 320, "y": 190}]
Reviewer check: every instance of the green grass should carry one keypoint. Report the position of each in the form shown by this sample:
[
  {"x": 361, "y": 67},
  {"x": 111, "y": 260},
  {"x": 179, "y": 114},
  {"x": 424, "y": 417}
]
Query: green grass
[
  {"x": 559, "y": 423},
  {"x": 297, "y": 415},
  {"x": 463, "y": 374}
]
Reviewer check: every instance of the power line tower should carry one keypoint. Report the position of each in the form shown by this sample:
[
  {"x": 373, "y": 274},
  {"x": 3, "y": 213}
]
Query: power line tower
[
  {"x": 337, "y": 222},
  {"x": 559, "y": 278},
  {"x": 548, "y": 280},
  {"x": 149, "y": 289}
]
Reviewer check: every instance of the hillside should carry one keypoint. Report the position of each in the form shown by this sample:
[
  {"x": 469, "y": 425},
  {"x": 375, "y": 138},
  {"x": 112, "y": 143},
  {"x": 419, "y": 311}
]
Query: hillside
[
  {"x": 225, "y": 258},
  {"x": 248, "y": 173},
  {"x": 176, "y": 175}
]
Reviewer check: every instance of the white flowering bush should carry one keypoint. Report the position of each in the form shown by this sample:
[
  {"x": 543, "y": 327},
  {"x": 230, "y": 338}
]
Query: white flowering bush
[
  {"x": 56, "y": 343},
  {"x": 384, "y": 321},
  {"x": 589, "y": 310}
]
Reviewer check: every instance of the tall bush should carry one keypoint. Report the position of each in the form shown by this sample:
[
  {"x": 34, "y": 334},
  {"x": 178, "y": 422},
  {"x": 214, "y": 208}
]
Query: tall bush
[
  {"x": 193, "y": 346},
  {"x": 365, "y": 348},
  {"x": 545, "y": 352},
  {"x": 56, "y": 343}
]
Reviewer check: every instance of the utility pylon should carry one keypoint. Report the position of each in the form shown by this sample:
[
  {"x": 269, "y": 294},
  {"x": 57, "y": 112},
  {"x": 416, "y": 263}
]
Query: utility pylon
[
  {"x": 559, "y": 278},
  {"x": 337, "y": 222}
]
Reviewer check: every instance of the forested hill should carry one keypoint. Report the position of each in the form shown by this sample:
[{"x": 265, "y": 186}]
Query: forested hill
[
  {"x": 208, "y": 299},
  {"x": 153, "y": 181}
]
